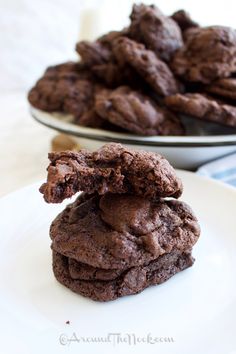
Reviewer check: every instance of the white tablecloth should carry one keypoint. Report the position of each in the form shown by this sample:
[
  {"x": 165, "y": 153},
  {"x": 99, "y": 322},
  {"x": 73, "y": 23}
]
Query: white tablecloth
[{"x": 24, "y": 144}]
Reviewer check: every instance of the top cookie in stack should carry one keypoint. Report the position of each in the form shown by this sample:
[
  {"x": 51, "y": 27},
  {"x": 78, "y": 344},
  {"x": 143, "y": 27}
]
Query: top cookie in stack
[
  {"x": 143, "y": 78},
  {"x": 120, "y": 236},
  {"x": 114, "y": 169}
]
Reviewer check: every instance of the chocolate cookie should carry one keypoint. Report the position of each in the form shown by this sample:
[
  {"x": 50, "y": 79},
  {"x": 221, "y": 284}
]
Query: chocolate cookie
[
  {"x": 203, "y": 107},
  {"x": 79, "y": 98},
  {"x": 224, "y": 88},
  {"x": 118, "y": 231},
  {"x": 48, "y": 94},
  {"x": 91, "y": 119},
  {"x": 153, "y": 70},
  {"x": 209, "y": 53},
  {"x": 184, "y": 20},
  {"x": 157, "y": 31},
  {"x": 113, "y": 75},
  {"x": 63, "y": 89},
  {"x": 109, "y": 73},
  {"x": 109, "y": 38},
  {"x": 98, "y": 52},
  {"x": 136, "y": 112},
  {"x": 130, "y": 282},
  {"x": 72, "y": 68},
  {"x": 93, "y": 53},
  {"x": 113, "y": 168},
  {"x": 83, "y": 271}
]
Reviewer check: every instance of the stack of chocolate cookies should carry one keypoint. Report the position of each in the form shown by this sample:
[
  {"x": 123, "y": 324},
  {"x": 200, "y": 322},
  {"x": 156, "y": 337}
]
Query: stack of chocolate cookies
[
  {"x": 145, "y": 77},
  {"x": 120, "y": 235}
]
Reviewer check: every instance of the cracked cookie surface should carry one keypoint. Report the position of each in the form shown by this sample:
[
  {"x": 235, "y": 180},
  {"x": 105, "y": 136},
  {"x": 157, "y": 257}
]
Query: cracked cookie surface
[
  {"x": 157, "y": 31},
  {"x": 112, "y": 168},
  {"x": 136, "y": 112},
  {"x": 203, "y": 107},
  {"x": 209, "y": 53},
  {"x": 131, "y": 282},
  {"x": 153, "y": 70},
  {"x": 120, "y": 231}
]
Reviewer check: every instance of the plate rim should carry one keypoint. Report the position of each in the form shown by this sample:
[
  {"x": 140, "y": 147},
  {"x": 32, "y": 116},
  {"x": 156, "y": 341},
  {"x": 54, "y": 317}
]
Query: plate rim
[
  {"x": 57, "y": 328},
  {"x": 51, "y": 121}
]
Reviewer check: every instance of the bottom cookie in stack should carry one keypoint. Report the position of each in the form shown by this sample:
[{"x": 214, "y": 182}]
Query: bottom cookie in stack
[
  {"x": 104, "y": 285},
  {"x": 105, "y": 247}
]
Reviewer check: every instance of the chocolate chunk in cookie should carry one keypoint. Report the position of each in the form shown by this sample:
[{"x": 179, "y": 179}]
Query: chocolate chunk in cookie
[
  {"x": 209, "y": 53},
  {"x": 184, "y": 20},
  {"x": 118, "y": 231},
  {"x": 153, "y": 70},
  {"x": 225, "y": 88},
  {"x": 136, "y": 112},
  {"x": 130, "y": 282},
  {"x": 157, "y": 31},
  {"x": 113, "y": 168},
  {"x": 203, "y": 107}
]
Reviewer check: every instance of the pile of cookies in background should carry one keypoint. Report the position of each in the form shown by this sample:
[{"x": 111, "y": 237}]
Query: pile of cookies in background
[
  {"x": 143, "y": 78},
  {"x": 127, "y": 231}
]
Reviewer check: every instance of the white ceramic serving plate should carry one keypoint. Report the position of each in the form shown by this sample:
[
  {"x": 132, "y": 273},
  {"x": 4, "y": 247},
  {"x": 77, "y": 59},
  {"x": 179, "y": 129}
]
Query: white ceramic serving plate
[
  {"x": 196, "y": 309},
  {"x": 186, "y": 152}
]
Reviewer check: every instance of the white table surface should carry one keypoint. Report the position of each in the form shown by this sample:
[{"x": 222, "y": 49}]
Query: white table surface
[{"x": 24, "y": 144}]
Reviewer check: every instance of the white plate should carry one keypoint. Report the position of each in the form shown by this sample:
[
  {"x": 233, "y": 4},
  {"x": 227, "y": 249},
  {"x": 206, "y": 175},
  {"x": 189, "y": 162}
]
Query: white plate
[
  {"x": 186, "y": 152},
  {"x": 197, "y": 307}
]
